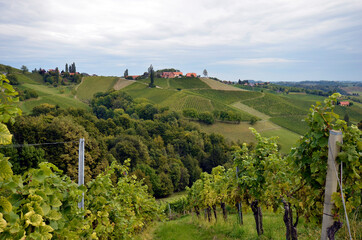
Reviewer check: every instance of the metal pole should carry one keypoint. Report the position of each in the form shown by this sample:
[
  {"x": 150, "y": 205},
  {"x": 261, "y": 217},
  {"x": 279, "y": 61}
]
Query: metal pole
[{"x": 81, "y": 169}]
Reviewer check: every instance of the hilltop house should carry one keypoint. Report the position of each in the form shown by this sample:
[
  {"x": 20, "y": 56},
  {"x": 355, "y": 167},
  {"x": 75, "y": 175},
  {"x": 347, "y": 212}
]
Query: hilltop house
[
  {"x": 171, "y": 74},
  {"x": 343, "y": 104},
  {"x": 191, "y": 75},
  {"x": 132, "y": 76}
]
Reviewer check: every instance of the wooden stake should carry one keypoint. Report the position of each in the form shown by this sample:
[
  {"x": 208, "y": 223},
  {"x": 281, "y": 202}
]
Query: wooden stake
[{"x": 331, "y": 181}]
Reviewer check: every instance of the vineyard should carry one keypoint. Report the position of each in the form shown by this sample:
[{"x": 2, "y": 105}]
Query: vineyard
[
  {"x": 43, "y": 202},
  {"x": 228, "y": 97},
  {"x": 91, "y": 85},
  {"x": 261, "y": 178},
  {"x": 273, "y": 105}
]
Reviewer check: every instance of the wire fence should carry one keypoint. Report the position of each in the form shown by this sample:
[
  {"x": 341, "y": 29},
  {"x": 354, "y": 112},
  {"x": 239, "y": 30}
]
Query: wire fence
[{"x": 34, "y": 144}]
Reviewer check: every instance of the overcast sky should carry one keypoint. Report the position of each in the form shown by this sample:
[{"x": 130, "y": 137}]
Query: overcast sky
[{"x": 269, "y": 40}]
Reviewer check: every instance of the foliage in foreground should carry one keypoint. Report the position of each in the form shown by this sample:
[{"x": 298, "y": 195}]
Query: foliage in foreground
[{"x": 43, "y": 204}]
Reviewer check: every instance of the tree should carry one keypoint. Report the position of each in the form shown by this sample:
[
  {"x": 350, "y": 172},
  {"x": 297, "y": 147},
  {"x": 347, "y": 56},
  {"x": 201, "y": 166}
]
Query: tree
[
  {"x": 74, "y": 70},
  {"x": 151, "y": 72},
  {"x": 24, "y": 69},
  {"x": 205, "y": 73},
  {"x": 346, "y": 119},
  {"x": 253, "y": 120},
  {"x": 66, "y": 68},
  {"x": 125, "y": 73}
]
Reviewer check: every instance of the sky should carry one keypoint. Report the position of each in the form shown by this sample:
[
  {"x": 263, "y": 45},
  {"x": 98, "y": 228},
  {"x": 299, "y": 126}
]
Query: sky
[{"x": 268, "y": 40}]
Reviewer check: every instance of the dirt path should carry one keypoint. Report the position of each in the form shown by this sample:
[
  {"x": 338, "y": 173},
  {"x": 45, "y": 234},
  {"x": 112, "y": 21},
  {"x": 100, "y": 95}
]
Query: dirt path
[
  {"x": 250, "y": 110},
  {"x": 122, "y": 83},
  {"x": 76, "y": 88}
]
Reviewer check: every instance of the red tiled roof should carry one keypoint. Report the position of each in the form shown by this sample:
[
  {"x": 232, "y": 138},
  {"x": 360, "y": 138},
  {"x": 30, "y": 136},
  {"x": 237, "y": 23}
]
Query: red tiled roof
[{"x": 345, "y": 103}]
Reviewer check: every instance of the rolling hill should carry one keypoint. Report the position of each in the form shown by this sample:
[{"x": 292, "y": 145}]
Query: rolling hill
[{"x": 278, "y": 114}]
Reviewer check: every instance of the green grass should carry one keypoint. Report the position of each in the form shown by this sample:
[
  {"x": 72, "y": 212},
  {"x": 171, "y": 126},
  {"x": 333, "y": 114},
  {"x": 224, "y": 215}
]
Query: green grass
[
  {"x": 92, "y": 85},
  {"x": 191, "y": 227}
]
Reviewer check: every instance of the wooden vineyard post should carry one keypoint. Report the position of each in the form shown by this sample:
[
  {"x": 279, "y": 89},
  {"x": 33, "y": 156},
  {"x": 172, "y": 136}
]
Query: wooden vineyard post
[
  {"x": 169, "y": 211},
  {"x": 240, "y": 213},
  {"x": 331, "y": 181}
]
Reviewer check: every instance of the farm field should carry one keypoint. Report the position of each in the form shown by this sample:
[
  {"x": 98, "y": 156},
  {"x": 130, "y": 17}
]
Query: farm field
[{"x": 91, "y": 85}]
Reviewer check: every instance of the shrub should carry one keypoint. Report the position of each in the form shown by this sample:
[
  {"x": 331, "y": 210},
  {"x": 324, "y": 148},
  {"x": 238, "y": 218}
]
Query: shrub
[{"x": 206, "y": 117}]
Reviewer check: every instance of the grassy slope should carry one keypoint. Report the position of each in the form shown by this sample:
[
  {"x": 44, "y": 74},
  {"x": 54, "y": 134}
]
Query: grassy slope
[
  {"x": 177, "y": 83},
  {"x": 241, "y": 132},
  {"x": 60, "y": 96},
  {"x": 187, "y": 98},
  {"x": 92, "y": 85}
]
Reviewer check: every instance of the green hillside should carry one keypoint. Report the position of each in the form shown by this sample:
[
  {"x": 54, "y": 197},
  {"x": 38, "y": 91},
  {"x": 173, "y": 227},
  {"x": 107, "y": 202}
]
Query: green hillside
[
  {"x": 91, "y": 85},
  {"x": 209, "y": 100},
  {"x": 61, "y": 96},
  {"x": 279, "y": 114}
]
